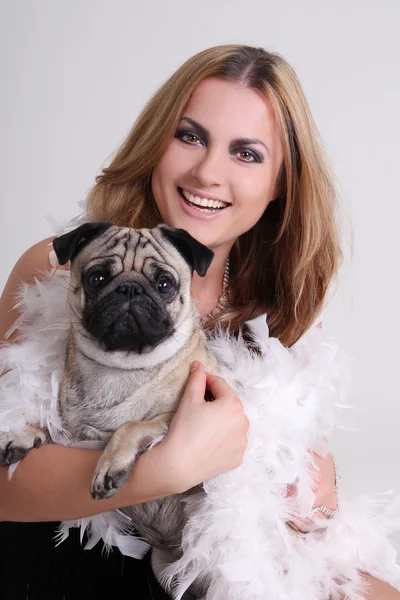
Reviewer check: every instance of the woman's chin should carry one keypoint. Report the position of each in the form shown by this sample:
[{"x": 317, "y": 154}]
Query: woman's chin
[{"x": 209, "y": 236}]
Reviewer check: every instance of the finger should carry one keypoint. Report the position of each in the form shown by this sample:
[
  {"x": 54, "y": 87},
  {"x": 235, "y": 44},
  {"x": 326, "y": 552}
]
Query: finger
[
  {"x": 217, "y": 386},
  {"x": 196, "y": 383}
]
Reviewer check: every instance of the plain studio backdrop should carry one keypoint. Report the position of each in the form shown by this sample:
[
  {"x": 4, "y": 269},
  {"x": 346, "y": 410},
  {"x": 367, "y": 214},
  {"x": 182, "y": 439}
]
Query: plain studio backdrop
[{"x": 75, "y": 76}]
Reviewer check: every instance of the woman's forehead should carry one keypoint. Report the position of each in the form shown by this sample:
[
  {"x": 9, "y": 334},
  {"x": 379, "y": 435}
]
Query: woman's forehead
[{"x": 231, "y": 109}]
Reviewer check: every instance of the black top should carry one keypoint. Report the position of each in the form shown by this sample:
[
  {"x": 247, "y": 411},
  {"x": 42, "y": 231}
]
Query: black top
[{"x": 33, "y": 568}]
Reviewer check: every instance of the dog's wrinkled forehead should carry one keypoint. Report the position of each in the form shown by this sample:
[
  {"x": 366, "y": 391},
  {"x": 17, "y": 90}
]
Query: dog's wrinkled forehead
[{"x": 125, "y": 249}]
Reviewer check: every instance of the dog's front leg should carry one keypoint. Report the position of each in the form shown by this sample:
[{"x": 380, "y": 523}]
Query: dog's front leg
[{"x": 127, "y": 442}]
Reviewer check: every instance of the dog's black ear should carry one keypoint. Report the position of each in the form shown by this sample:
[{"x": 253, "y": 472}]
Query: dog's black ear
[
  {"x": 68, "y": 245},
  {"x": 196, "y": 254}
]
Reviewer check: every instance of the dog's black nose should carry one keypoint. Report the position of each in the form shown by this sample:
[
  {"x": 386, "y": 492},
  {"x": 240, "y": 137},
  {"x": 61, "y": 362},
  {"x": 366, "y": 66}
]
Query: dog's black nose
[{"x": 130, "y": 287}]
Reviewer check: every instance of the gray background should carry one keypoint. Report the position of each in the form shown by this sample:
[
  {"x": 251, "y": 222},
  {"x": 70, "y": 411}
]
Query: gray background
[{"x": 75, "y": 75}]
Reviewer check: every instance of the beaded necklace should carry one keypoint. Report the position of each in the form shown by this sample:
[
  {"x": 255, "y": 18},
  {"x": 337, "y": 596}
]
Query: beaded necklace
[{"x": 223, "y": 299}]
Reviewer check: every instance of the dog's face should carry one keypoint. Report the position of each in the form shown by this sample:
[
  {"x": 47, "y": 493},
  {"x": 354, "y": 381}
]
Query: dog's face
[{"x": 130, "y": 288}]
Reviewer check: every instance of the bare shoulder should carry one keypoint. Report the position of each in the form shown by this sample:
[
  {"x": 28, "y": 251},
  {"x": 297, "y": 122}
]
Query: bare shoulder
[{"x": 34, "y": 262}]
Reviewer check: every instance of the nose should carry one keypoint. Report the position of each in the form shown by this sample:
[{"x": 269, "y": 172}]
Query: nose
[
  {"x": 131, "y": 288},
  {"x": 209, "y": 169}
]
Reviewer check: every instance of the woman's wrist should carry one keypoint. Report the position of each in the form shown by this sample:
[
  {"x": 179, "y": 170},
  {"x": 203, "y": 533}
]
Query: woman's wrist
[
  {"x": 159, "y": 473},
  {"x": 326, "y": 503}
]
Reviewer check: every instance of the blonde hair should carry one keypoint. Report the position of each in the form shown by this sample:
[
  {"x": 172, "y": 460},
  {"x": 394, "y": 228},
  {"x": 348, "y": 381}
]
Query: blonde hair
[{"x": 285, "y": 264}]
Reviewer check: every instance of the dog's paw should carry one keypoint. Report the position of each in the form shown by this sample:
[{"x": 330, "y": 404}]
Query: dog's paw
[
  {"x": 14, "y": 446},
  {"x": 108, "y": 478},
  {"x": 126, "y": 444}
]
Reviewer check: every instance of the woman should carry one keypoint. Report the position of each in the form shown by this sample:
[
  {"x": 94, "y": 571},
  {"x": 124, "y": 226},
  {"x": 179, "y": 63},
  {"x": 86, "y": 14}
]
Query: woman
[{"x": 226, "y": 149}]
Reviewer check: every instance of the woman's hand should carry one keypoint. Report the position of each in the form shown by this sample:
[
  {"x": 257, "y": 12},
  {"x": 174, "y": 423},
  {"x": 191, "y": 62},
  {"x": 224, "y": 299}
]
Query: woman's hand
[
  {"x": 324, "y": 477},
  {"x": 205, "y": 438}
]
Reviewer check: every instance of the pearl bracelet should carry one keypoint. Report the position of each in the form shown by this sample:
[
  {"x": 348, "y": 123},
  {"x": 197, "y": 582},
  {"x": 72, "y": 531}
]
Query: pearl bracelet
[{"x": 322, "y": 509}]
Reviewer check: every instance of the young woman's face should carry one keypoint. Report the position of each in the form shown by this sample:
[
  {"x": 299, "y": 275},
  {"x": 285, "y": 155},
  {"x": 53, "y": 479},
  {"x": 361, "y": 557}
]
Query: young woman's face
[{"x": 219, "y": 173}]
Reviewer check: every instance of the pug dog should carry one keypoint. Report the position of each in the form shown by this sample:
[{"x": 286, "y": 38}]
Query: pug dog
[{"x": 132, "y": 338}]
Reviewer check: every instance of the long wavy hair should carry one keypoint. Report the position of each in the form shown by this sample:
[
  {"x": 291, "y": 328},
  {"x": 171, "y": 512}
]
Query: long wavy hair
[{"x": 285, "y": 264}]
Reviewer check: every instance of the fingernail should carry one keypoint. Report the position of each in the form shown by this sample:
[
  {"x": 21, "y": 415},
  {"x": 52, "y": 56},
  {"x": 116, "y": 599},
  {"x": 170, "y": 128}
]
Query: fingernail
[{"x": 194, "y": 366}]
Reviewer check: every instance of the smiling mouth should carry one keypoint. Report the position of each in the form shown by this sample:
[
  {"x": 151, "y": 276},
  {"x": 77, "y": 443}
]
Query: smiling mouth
[{"x": 202, "y": 204}]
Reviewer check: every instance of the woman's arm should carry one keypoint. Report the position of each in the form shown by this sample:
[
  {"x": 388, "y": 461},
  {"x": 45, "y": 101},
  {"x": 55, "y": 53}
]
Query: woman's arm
[
  {"x": 205, "y": 438},
  {"x": 52, "y": 484}
]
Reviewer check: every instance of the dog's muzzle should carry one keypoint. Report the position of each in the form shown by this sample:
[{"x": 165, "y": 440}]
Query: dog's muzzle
[{"x": 128, "y": 319}]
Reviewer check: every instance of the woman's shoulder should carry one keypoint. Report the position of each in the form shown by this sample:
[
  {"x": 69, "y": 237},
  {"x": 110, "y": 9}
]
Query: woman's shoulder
[{"x": 35, "y": 262}]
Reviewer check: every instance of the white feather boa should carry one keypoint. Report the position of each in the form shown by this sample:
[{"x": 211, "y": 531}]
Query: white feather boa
[{"x": 237, "y": 530}]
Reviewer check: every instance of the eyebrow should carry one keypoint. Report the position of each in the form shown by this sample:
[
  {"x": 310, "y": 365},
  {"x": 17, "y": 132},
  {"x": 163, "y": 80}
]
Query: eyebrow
[{"x": 237, "y": 142}]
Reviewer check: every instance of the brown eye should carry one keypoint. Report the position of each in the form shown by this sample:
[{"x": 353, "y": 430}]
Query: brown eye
[
  {"x": 191, "y": 138},
  {"x": 246, "y": 156},
  {"x": 188, "y": 137}
]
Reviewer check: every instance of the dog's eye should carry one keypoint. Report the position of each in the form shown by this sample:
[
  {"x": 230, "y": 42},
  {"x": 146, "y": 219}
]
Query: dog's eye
[
  {"x": 97, "y": 279},
  {"x": 164, "y": 285}
]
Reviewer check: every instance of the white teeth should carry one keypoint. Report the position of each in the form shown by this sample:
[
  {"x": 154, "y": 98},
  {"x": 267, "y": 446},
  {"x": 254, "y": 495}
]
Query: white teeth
[{"x": 204, "y": 202}]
